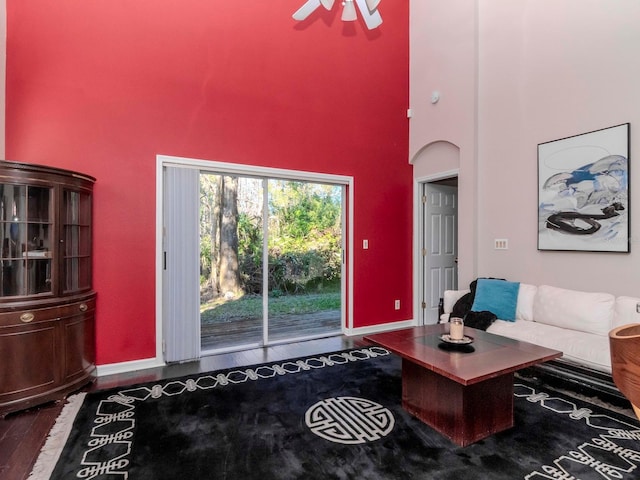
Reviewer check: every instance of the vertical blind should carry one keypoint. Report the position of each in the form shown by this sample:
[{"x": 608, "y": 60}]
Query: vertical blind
[{"x": 181, "y": 276}]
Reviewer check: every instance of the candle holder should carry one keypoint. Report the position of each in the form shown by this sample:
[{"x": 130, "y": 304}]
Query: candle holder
[
  {"x": 456, "y": 334},
  {"x": 456, "y": 328}
]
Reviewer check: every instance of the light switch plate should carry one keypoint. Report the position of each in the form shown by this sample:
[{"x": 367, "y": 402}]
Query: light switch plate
[{"x": 501, "y": 244}]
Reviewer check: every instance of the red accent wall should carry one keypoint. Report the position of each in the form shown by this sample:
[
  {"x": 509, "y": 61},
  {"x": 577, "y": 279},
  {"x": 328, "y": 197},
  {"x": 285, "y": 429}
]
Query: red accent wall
[{"x": 103, "y": 86}]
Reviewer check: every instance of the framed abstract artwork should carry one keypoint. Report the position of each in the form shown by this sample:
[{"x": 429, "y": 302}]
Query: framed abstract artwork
[{"x": 583, "y": 192}]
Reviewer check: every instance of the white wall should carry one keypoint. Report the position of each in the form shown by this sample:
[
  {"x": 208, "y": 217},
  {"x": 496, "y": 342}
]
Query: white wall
[
  {"x": 547, "y": 69},
  {"x": 443, "y": 59}
]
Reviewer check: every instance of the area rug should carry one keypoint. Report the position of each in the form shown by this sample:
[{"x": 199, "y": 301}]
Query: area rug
[{"x": 334, "y": 416}]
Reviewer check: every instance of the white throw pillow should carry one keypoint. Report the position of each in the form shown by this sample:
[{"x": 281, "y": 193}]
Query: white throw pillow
[
  {"x": 526, "y": 296},
  {"x": 626, "y": 311},
  {"x": 451, "y": 297},
  {"x": 575, "y": 310}
]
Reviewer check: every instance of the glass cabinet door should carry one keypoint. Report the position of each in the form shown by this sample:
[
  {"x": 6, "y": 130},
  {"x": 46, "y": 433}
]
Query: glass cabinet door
[
  {"x": 25, "y": 229},
  {"x": 77, "y": 240}
]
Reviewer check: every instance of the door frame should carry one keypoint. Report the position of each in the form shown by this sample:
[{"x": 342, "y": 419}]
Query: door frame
[
  {"x": 418, "y": 239},
  {"x": 249, "y": 170}
]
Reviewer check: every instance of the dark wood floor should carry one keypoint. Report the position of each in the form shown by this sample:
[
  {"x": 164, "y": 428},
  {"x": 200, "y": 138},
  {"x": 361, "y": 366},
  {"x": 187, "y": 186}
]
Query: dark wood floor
[{"x": 23, "y": 434}]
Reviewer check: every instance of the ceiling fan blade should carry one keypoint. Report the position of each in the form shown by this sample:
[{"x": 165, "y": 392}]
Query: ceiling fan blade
[
  {"x": 371, "y": 19},
  {"x": 307, "y": 9},
  {"x": 372, "y": 4}
]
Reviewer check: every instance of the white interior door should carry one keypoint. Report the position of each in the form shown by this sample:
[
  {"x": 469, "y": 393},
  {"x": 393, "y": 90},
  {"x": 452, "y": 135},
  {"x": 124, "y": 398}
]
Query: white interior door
[{"x": 439, "y": 246}]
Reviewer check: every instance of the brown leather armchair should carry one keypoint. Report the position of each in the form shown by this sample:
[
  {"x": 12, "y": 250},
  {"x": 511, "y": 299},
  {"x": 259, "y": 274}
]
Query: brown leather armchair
[{"x": 624, "y": 345}]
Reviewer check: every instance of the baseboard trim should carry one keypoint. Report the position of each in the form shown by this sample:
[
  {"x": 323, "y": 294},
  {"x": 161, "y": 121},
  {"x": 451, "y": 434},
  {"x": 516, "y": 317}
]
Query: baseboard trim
[
  {"x": 131, "y": 366},
  {"x": 126, "y": 367},
  {"x": 384, "y": 327}
]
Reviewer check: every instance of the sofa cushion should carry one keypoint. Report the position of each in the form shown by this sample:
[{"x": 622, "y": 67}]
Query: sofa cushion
[
  {"x": 450, "y": 297},
  {"x": 584, "y": 348},
  {"x": 627, "y": 311},
  {"x": 526, "y": 296},
  {"x": 497, "y": 296},
  {"x": 574, "y": 310}
]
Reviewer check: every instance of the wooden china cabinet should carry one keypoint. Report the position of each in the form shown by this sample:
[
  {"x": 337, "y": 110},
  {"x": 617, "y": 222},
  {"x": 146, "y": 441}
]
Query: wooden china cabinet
[{"x": 47, "y": 304}]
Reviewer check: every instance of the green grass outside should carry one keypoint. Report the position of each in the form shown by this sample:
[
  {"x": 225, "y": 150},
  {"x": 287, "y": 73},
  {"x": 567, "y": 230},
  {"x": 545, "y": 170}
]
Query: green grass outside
[{"x": 250, "y": 306}]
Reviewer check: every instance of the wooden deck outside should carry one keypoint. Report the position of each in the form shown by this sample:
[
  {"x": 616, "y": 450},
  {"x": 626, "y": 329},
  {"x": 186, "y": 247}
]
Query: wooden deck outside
[{"x": 247, "y": 331}]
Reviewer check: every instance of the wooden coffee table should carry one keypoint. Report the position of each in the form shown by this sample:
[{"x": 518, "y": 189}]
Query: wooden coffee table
[{"x": 465, "y": 393}]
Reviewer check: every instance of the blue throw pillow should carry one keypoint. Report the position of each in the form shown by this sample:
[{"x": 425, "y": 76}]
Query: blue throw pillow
[{"x": 497, "y": 296}]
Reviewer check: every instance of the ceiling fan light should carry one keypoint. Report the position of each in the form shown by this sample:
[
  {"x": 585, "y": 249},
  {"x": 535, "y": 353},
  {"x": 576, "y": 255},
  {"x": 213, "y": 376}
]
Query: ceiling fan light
[
  {"x": 373, "y": 4},
  {"x": 349, "y": 11}
]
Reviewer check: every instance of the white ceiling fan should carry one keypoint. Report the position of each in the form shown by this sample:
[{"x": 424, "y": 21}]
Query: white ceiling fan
[{"x": 368, "y": 10}]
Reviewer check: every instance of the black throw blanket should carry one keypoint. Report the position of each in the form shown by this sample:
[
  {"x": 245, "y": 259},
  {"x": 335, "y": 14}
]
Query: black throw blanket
[{"x": 462, "y": 309}]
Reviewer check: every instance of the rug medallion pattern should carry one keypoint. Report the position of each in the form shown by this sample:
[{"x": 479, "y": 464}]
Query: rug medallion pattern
[{"x": 349, "y": 420}]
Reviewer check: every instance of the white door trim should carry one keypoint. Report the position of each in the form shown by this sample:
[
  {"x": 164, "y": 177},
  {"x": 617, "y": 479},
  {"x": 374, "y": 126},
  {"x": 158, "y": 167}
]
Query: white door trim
[{"x": 418, "y": 230}]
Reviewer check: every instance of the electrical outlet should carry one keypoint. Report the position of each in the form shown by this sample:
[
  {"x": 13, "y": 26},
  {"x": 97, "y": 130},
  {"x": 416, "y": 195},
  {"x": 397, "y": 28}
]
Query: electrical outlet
[
  {"x": 397, "y": 304},
  {"x": 365, "y": 244},
  {"x": 637, "y": 307}
]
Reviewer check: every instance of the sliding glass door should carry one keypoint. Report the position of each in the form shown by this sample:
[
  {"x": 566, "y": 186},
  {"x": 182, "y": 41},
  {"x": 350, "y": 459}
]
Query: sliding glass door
[
  {"x": 231, "y": 261},
  {"x": 271, "y": 260},
  {"x": 305, "y": 259}
]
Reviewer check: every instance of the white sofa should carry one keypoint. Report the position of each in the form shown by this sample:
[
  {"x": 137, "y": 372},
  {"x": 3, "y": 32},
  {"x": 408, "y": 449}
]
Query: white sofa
[{"x": 575, "y": 322}]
